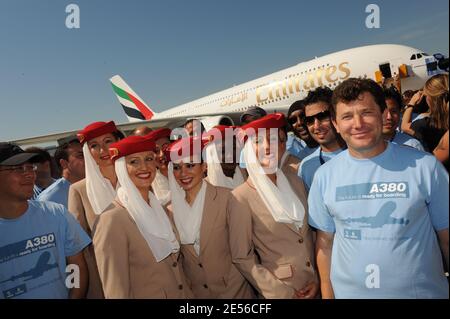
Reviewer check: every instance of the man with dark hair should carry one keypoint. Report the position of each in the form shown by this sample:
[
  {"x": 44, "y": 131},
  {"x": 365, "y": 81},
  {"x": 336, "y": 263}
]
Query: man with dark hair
[
  {"x": 299, "y": 142},
  {"x": 194, "y": 127},
  {"x": 38, "y": 239},
  {"x": 69, "y": 158},
  {"x": 391, "y": 119},
  {"x": 318, "y": 121},
  {"x": 253, "y": 113},
  {"x": 44, "y": 170},
  {"x": 380, "y": 209}
]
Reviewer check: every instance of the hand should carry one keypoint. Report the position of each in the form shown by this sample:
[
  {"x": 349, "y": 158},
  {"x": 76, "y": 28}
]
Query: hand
[
  {"x": 308, "y": 292},
  {"x": 416, "y": 98}
]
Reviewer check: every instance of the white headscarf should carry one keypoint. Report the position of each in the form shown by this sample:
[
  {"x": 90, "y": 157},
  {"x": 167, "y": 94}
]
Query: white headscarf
[
  {"x": 161, "y": 188},
  {"x": 215, "y": 173},
  {"x": 280, "y": 199},
  {"x": 188, "y": 218},
  {"x": 152, "y": 220},
  {"x": 99, "y": 189}
]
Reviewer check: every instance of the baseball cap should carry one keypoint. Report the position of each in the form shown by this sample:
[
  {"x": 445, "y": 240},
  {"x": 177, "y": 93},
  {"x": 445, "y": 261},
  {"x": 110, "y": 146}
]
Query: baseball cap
[
  {"x": 253, "y": 111},
  {"x": 11, "y": 154}
]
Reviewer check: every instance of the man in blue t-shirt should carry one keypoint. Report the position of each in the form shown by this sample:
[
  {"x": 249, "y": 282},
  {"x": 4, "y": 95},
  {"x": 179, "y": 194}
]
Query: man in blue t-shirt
[
  {"x": 380, "y": 209},
  {"x": 41, "y": 244},
  {"x": 318, "y": 121},
  {"x": 391, "y": 119},
  {"x": 69, "y": 158}
]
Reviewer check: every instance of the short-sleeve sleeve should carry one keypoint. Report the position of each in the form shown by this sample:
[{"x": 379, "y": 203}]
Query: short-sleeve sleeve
[
  {"x": 438, "y": 205},
  {"x": 76, "y": 238},
  {"x": 319, "y": 216}
]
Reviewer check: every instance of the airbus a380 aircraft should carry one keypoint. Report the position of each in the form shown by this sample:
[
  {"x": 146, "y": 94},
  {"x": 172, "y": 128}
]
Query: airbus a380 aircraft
[{"x": 277, "y": 91}]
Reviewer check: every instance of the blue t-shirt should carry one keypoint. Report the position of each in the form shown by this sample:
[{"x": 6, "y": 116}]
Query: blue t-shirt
[
  {"x": 384, "y": 212},
  {"x": 58, "y": 192},
  {"x": 298, "y": 147},
  {"x": 33, "y": 251},
  {"x": 311, "y": 163},
  {"x": 401, "y": 138}
]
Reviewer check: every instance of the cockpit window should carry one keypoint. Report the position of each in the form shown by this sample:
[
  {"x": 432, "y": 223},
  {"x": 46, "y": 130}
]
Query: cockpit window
[
  {"x": 419, "y": 55},
  {"x": 413, "y": 57}
]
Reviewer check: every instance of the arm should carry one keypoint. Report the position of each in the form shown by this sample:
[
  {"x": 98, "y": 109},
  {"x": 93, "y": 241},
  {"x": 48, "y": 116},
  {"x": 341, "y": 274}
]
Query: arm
[
  {"x": 441, "y": 151},
  {"x": 324, "y": 244},
  {"x": 243, "y": 253},
  {"x": 443, "y": 242},
  {"x": 407, "y": 115},
  {"x": 78, "y": 261},
  {"x": 111, "y": 251}
]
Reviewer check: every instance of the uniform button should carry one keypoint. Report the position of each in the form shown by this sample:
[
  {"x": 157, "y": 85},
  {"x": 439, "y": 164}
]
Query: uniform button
[
  {"x": 180, "y": 287},
  {"x": 308, "y": 264},
  {"x": 300, "y": 240},
  {"x": 200, "y": 265},
  {"x": 205, "y": 286},
  {"x": 174, "y": 264}
]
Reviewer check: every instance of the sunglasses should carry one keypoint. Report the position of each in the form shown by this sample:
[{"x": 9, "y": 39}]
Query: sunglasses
[{"x": 321, "y": 116}]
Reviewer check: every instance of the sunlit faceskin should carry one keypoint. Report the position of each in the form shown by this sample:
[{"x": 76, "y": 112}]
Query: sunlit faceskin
[
  {"x": 391, "y": 118},
  {"x": 99, "y": 148},
  {"x": 360, "y": 123},
  {"x": 75, "y": 162},
  {"x": 269, "y": 148},
  {"x": 189, "y": 175},
  {"x": 161, "y": 145},
  {"x": 229, "y": 160},
  {"x": 323, "y": 131},
  {"x": 15, "y": 183},
  {"x": 141, "y": 168},
  {"x": 296, "y": 120}
]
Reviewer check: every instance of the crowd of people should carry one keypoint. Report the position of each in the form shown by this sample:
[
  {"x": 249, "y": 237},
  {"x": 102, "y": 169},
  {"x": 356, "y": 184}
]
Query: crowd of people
[{"x": 346, "y": 196}]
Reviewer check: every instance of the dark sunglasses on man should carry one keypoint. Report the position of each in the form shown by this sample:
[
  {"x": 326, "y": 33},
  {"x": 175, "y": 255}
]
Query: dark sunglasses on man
[{"x": 321, "y": 116}]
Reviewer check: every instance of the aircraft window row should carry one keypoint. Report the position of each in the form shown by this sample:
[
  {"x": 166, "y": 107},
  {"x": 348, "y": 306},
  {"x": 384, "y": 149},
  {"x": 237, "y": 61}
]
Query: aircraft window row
[{"x": 418, "y": 55}]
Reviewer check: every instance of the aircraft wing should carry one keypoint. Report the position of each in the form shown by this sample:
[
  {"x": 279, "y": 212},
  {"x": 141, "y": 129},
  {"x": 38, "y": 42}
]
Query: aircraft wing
[{"x": 172, "y": 122}]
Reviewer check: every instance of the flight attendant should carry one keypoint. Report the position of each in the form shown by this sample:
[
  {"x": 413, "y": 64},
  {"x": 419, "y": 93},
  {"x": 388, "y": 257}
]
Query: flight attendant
[
  {"x": 221, "y": 158},
  {"x": 160, "y": 185},
  {"x": 268, "y": 214},
  {"x": 199, "y": 211},
  {"x": 136, "y": 247},
  {"x": 89, "y": 197}
]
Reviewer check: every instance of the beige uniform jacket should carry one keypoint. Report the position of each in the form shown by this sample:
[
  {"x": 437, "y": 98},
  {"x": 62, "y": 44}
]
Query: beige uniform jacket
[
  {"x": 80, "y": 207},
  {"x": 212, "y": 273},
  {"x": 126, "y": 264},
  {"x": 286, "y": 256}
]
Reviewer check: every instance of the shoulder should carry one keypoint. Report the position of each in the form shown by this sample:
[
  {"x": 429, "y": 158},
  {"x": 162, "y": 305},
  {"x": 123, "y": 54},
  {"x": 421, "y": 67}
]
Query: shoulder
[
  {"x": 114, "y": 212},
  {"x": 53, "y": 188},
  {"x": 80, "y": 185},
  {"x": 48, "y": 210},
  {"x": 242, "y": 192},
  {"x": 309, "y": 159},
  {"x": 217, "y": 191}
]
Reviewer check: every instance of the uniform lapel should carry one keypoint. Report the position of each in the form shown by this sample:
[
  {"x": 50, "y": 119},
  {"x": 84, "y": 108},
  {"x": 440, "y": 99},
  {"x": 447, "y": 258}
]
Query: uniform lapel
[{"x": 209, "y": 215}]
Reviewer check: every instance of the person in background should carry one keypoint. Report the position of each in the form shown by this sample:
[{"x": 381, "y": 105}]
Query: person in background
[
  {"x": 391, "y": 119},
  {"x": 141, "y": 131},
  {"x": 38, "y": 240},
  {"x": 70, "y": 159},
  {"x": 160, "y": 185},
  {"x": 441, "y": 151},
  {"x": 221, "y": 157},
  {"x": 318, "y": 121},
  {"x": 135, "y": 244},
  {"x": 429, "y": 130},
  {"x": 299, "y": 142},
  {"x": 44, "y": 170}
]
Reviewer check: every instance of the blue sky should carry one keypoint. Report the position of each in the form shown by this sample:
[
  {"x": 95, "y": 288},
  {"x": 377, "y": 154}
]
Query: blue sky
[{"x": 55, "y": 79}]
